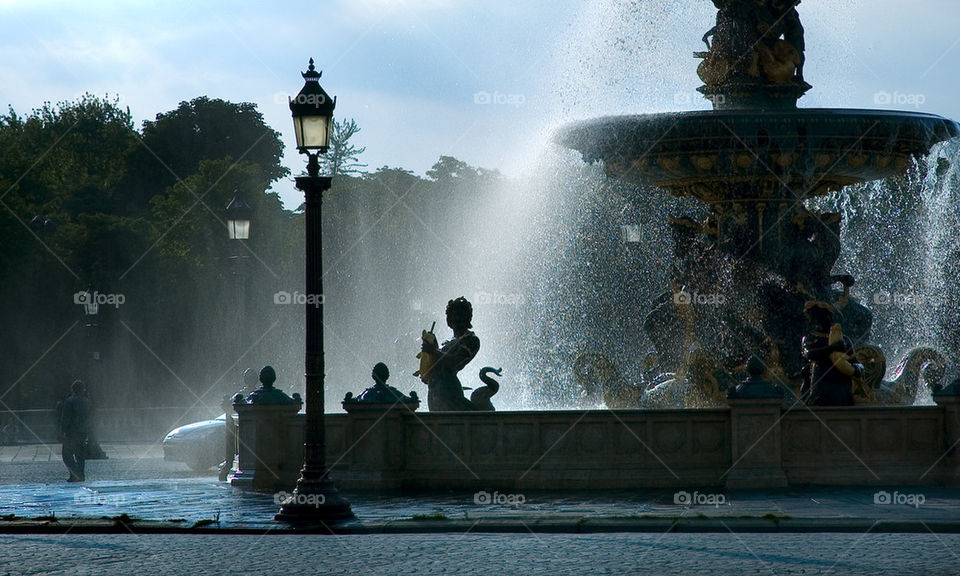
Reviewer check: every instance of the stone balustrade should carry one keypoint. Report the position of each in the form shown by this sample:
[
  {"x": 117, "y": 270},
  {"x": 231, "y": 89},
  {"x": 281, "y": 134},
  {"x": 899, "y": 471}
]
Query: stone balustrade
[{"x": 755, "y": 443}]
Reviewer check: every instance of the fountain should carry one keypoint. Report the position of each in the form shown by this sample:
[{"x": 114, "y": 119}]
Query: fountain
[
  {"x": 740, "y": 276},
  {"x": 734, "y": 310}
]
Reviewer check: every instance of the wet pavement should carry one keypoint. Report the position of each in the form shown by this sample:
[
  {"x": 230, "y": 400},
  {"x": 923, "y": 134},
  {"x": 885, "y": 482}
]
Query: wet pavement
[
  {"x": 181, "y": 518},
  {"x": 137, "y": 482}
]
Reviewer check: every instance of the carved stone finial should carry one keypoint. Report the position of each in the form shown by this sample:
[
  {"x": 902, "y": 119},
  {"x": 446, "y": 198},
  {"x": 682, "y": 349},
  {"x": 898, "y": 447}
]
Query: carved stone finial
[
  {"x": 380, "y": 394},
  {"x": 266, "y": 393},
  {"x": 755, "y": 386}
]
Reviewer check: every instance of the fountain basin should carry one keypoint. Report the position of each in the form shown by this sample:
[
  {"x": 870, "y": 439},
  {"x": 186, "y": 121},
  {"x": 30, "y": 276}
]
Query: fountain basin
[{"x": 729, "y": 155}]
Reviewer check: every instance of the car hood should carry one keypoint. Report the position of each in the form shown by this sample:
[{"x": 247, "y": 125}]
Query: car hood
[{"x": 196, "y": 429}]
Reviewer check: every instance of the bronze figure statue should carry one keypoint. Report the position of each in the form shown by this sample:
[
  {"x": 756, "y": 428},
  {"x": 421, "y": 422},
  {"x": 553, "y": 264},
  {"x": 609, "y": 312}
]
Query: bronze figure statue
[
  {"x": 439, "y": 371},
  {"x": 828, "y": 378},
  {"x": 755, "y": 54}
]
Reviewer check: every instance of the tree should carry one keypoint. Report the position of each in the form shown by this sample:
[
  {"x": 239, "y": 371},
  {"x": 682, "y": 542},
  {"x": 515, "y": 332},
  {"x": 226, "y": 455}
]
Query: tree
[
  {"x": 448, "y": 167},
  {"x": 342, "y": 158},
  {"x": 177, "y": 142}
]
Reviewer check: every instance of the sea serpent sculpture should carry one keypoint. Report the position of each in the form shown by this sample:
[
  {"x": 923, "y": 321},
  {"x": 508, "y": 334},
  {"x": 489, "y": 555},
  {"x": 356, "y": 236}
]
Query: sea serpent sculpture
[{"x": 905, "y": 387}]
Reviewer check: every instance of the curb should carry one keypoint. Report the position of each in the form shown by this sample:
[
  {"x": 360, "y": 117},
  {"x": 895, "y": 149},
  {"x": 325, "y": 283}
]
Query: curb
[{"x": 75, "y": 525}]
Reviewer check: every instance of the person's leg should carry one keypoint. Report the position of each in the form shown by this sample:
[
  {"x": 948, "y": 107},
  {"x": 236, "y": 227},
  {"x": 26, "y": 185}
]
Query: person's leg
[
  {"x": 71, "y": 457},
  {"x": 81, "y": 456},
  {"x": 66, "y": 452}
]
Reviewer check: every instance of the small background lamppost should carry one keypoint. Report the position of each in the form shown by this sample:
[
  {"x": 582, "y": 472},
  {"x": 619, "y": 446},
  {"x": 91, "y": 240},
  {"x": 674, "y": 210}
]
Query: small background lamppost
[
  {"x": 632, "y": 234},
  {"x": 239, "y": 214},
  {"x": 315, "y": 498},
  {"x": 91, "y": 309},
  {"x": 238, "y": 218}
]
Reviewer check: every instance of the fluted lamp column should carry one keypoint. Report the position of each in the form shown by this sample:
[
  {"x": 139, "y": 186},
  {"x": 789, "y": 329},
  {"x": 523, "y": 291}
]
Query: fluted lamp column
[{"x": 315, "y": 500}]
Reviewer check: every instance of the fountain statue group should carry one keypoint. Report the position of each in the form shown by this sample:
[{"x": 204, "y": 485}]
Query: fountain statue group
[
  {"x": 757, "y": 42},
  {"x": 756, "y": 273},
  {"x": 754, "y": 276}
]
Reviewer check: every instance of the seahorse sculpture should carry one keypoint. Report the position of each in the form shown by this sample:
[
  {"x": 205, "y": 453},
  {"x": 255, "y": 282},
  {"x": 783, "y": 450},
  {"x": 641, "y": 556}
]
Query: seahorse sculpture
[
  {"x": 905, "y": 385},
  {"x": 481, "y": 396}
]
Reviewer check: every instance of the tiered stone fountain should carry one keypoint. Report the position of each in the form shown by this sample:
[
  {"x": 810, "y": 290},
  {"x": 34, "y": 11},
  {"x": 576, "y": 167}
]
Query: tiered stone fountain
[{"x": 741, "y": 276}]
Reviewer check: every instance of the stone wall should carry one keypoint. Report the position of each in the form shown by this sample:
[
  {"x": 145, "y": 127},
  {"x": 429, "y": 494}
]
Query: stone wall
[
  {"x": 752, "y": 444},
  {"x": 865, "y": 446}
]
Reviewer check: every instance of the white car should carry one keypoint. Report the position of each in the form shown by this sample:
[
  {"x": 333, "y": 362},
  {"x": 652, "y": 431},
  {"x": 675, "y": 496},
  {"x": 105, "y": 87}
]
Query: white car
[{"x": 200, "y": 444}]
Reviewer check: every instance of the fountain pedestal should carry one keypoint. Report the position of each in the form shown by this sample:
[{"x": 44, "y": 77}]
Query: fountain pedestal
[
  {"x": 376, "y": 421},
  {"x": 270, "y": 446},
  {"x": 949, "y": 399},
  {"x": 755, "y": 442}
]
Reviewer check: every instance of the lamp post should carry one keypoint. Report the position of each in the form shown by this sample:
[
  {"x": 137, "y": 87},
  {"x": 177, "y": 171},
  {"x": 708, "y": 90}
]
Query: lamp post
[
  {"x": 91, "y": 310},
  {"x": 238, "y": 228},
  {"x": 315, "y": 498},
  {"x": 238, "y": 218}
]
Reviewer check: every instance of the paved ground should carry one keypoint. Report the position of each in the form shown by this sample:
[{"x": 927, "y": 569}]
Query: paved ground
[
  {"x": 41, "y": 463},
  {"x": 137, "y": 482},
  {"x": 461, "y": 533},
  {"x": 548, "y": 554}
]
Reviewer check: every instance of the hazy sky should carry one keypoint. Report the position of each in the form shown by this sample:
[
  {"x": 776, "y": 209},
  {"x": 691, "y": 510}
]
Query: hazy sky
[{"x": 482, "y": 80}]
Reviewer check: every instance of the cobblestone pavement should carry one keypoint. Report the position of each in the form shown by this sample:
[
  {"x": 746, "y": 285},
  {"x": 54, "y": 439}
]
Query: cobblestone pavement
[
  {"x": 41, "y": 463},
  {"x": 662, "y": 554},
  {"x": 137, "y": 482}
]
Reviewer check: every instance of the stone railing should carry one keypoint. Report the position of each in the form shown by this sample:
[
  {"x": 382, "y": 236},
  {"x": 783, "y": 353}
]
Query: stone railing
[
  {"x": 547, "y": 450},
  {"x": 754, "y": 443}
]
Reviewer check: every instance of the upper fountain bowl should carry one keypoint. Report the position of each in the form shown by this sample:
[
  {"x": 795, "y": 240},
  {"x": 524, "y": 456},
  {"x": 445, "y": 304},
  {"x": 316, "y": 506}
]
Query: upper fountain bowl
[{"x": 729, "y": 155}]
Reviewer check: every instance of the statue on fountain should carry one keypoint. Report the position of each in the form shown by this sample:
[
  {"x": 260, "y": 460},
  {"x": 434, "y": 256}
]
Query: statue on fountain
[
  {"x": 756, "y": 55},
  {"x": 439, "y": 365},
  {"x": 832, "y": 368}
]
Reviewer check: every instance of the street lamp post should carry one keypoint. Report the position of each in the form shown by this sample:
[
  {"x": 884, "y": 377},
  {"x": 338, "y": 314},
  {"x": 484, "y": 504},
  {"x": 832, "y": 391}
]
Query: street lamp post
[
  {"x": 315, "y": 498},
  {"x": 91, "y": 310},
  {"x": 238, "y": 218},
  {"x": 238, "y": 228}
]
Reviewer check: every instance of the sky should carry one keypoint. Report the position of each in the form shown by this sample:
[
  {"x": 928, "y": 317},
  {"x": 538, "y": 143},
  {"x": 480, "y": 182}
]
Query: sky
[{"x": 484, "y": 81}]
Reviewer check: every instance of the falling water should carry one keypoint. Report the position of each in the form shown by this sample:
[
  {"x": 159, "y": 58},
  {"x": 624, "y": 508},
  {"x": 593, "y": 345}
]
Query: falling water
[{"x": 545, "y": 258}]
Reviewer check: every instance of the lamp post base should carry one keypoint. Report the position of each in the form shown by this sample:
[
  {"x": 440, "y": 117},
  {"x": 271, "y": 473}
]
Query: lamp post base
[{"x": 315, "y": 500}]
